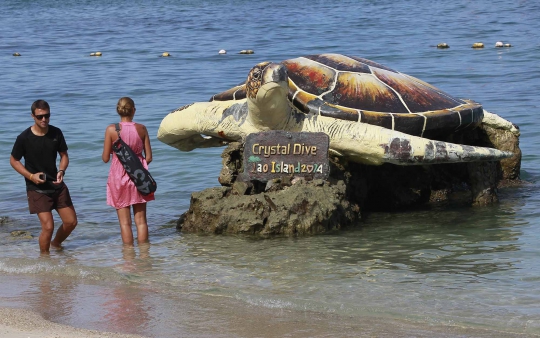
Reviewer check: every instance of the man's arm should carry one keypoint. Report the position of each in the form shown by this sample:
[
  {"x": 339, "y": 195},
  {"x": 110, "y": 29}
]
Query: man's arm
[
  {"x": 19, "y": 167},
  {"x": 64, "y": 162}
]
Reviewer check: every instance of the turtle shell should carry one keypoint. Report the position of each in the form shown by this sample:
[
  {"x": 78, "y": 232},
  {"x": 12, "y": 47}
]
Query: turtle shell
[{"x": 356, "y": 89}]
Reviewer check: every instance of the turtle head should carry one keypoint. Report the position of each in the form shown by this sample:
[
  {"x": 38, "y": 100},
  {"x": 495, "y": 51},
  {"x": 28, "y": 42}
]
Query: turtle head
[
  {"x": 266, "y": 90},
  {"x": 265, "y": 74}
]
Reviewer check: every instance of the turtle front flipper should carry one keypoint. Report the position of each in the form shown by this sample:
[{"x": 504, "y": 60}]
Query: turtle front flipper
[
  {"x": 192, "y": 142},
  {"x": 179, "y": 130},
  {"x": 375, "y": 145},
  {"x": 202, "y": 125}
]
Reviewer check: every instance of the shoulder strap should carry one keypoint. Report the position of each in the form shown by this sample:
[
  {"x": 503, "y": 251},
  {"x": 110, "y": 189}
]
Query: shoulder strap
[{"x": 117, "y": 125}]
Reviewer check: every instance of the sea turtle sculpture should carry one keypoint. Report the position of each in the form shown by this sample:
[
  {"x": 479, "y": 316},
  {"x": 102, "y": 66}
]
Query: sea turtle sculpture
[{"x": 372, "y": 114}]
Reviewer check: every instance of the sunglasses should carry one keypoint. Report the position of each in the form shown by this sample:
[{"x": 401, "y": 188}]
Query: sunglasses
[{"x": 40, "y": 117}]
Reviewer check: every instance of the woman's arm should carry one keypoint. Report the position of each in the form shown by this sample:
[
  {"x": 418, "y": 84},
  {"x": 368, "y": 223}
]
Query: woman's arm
[
  {"x": 107, "y": 143},
  {"x": 147, "y": 147}
]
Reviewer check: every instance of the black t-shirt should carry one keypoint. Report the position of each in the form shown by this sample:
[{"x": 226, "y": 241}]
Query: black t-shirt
[{"x": 40, "y": 153}]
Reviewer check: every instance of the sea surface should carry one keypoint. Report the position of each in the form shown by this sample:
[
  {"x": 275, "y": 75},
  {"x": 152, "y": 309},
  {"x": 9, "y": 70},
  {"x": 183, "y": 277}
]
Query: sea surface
[{"x": 447, "y": 272}]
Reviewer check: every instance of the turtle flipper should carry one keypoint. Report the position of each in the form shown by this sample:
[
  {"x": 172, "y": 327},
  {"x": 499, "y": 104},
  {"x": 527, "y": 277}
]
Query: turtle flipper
[
  {"x": 364, "y": 143},
  {"x": 205, "y": 124},
  {"x": 184, "y": 128},
  {"x": 192, "y": 142}
]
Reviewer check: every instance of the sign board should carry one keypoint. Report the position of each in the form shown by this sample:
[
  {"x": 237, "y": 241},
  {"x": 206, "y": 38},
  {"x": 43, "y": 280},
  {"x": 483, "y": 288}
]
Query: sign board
[{"x": 277, "y": 153}]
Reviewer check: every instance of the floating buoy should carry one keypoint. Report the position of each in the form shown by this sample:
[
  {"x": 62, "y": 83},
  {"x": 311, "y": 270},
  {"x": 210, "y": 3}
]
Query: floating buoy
[
  {"x": 499, "y": 44},
  {"x": 165, "y": 54},
  {"x": 95, "y": 54},
  {"x": 16, "y": 54},
  {"x": 443, "y": 45},
  {"x": 246, "y": 51},
  {"x": 478, "y": 45},
  {"x": 222, "y": 51},
  {"x": 507, "y": 45}
]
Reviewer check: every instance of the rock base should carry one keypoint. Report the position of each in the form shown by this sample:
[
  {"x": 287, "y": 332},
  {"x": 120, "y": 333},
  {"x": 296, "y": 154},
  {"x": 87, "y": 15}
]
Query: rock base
[
  {"x": 292, "y": 206},
  {"x": 301, "y": 209}
]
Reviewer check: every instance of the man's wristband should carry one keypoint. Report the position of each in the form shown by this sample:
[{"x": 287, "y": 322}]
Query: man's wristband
[{"x": 63, "y": 171}]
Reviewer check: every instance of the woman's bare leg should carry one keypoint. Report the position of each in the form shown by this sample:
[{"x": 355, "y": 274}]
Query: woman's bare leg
[
  {"x": 139, "y": 210},
  {"x": 124, "y": 217}
]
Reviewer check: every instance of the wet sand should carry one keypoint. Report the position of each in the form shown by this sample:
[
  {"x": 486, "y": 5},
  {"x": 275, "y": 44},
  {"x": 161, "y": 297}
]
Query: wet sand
[
  {"x": 97, "y": 306},
  {"x": 18, "y": 323}
]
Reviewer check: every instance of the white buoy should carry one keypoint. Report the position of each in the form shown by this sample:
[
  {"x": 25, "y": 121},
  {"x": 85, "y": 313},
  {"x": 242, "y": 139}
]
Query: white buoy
[
  {"x": 443, "y": 45},
  {"x": 246, "y": 51},
  {"x": 16, "y": 54},
  {"x": 222, "y": 51},
  {"x": 499, "y": 44}
]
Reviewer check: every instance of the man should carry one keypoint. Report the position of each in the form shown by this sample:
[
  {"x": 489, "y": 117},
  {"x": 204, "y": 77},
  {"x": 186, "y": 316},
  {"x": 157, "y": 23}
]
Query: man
[{"x": 45, "y": 187}]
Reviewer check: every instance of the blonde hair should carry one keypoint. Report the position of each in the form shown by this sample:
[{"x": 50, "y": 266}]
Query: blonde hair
[{"x": 125, "y": 106}]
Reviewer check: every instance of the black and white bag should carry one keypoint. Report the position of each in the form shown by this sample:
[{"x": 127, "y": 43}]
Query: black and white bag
[{"x": 144, "y": 182}]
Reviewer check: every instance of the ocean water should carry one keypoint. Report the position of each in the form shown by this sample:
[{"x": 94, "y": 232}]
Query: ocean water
[{"x": 449, "y": 272}]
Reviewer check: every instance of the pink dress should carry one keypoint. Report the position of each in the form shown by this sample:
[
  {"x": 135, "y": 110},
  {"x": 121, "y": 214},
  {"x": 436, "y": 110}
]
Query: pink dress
[{"x": 121, "y": 191}]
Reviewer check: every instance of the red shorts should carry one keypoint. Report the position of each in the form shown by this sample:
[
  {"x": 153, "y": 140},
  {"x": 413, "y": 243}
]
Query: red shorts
[{"x": 40, "y": 202}]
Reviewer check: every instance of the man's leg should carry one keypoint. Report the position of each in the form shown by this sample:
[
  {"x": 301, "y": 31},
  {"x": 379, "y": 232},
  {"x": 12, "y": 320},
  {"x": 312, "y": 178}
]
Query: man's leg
[
  {"x": 47, "y": 228},
  {"x": 69, "y": 222}
]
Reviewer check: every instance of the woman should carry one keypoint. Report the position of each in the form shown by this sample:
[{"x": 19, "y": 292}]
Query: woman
[{"x": 121, "y": 191}]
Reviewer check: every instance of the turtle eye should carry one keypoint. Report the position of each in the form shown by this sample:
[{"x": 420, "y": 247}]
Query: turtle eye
[
  {"x": 257, "y": 74},
  {"x": 253, "y": 82},
  {"x": 254, "y": 79}
]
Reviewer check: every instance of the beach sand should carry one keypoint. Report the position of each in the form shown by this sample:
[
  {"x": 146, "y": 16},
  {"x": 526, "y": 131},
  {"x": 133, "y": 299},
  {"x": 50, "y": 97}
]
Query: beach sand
[
  {"x": 28, "y": 301},
  {"x": 18, "y": 323}
]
